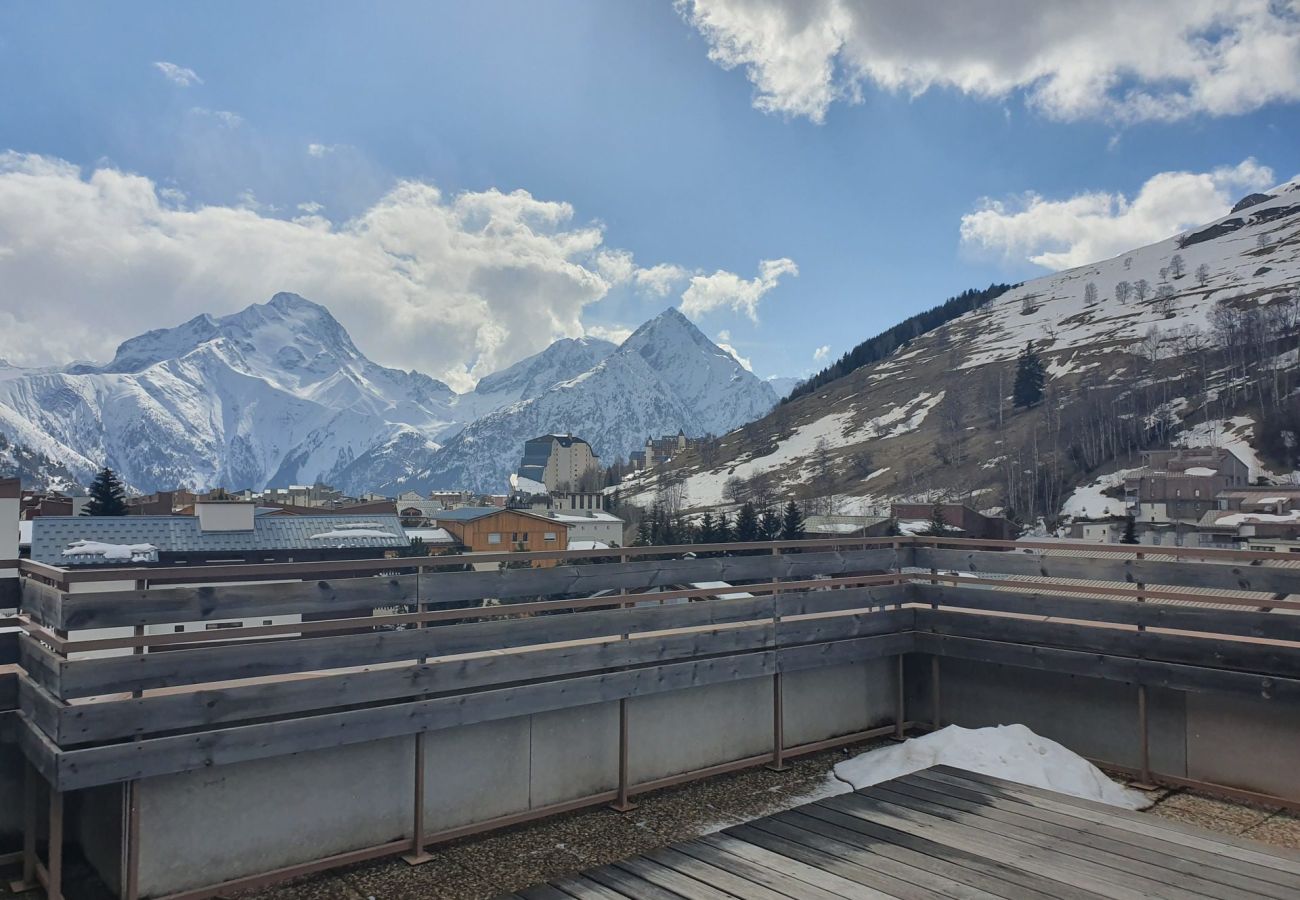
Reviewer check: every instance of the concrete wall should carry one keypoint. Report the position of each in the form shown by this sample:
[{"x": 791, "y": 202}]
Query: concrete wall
[
  {"x": 838, "y": 700},
  {"x": 1094, "y": 718},
  {"x": 699, "y": 727},
  {"x": 1244, "y": 742}
]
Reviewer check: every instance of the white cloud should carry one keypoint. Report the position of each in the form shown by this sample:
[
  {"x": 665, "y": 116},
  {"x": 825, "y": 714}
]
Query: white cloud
[
  {"x": 311, "y": 207},
  {"x": 319, "y": 150},
  {"x": 456, "y": 286},
  {"x": 723, "y": 289},
  {"x": 1060, "y": 234},
  {"x": 1114, "y": 59},
  {"x": 821, "y": 352},
  {"x": 722, "y": 342},
  {"x": 616, "y": 334},
  {"x": 178, "y": 75}
]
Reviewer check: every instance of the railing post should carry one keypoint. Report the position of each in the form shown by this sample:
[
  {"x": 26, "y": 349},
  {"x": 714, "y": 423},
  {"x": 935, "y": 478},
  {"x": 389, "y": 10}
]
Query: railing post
[
  {"x": 936, "y": 708},
  {"x": 416, "y": 855},
  {"x": 622, "y": 803},
  {"x": 131, "y": 843},
  {"x": 1144, "y": 782},
  {"x": 30, "y": 788},
  {"x": 778, "y": 700},
  {"x": 54, "y": 856},
  {"x": 900, "y": 702}
]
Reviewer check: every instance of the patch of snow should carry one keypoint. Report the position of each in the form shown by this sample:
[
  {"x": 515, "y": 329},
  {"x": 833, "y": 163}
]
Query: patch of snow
[
  {"x": 132, "y": 552},
  {"x": 1229, "y": 434},
  {"x": 588, "y": 545},
  {"x": 1259, "y": 518},
  {"x": 1088, "y": 502},
  {"x": 1012, "y": 752},
  {"x": 349, "y": 533},
  {"x": 1201, "y": 471},
  {"x": 430, "y": 535}
]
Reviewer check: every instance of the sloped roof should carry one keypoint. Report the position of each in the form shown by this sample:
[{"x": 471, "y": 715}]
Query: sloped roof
[{"x": 51, "y": 535}]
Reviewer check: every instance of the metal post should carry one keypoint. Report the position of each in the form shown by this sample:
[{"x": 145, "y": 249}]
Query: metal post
[
  {"x": 778, "y": 727},
  {"x": 935, "y": 707},
  {"x": 30, "y": 788},
  {"x": 416, "y": 855},
  {"x": 54, "y": 868},
  {"x": 1144, "y": 782},
  {"x": 900, "y": 704},
  {"x": 622, "y": 803},
  {"x": 131, "y": 850}
]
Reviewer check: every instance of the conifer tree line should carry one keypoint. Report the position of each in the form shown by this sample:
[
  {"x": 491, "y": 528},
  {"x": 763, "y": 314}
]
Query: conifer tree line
[{"x": 659, "y": 526}]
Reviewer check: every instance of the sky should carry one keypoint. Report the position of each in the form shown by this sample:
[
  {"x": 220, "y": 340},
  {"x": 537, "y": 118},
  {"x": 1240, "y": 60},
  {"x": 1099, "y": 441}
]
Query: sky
[{"x": 462, "y": 183}]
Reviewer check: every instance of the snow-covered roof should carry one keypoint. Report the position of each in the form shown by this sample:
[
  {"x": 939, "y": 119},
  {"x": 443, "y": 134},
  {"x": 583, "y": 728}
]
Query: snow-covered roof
[
  {"x": 588, "y": 545},
  {"x": 583, "y": 516},
  {"x": 52, "y": 535},
  {"x": 430, "y": 535}
]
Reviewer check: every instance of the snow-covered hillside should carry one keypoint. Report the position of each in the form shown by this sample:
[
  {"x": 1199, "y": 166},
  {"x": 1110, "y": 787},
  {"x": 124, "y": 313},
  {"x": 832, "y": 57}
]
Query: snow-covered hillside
[
  {"x": 666, "y": 376},
  {"x": 1092, "y": 325},
  {"x": 278, "y": 394}
]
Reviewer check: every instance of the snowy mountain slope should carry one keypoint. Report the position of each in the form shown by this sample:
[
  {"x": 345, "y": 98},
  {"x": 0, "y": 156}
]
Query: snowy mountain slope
[
  {"x": 272, "y": 394},
  {"x": 278, "y": 394},
  {"x": 666, "y": 376},
  {"x": 879, "y": 426},
  {"x": 565, "y": 359}
]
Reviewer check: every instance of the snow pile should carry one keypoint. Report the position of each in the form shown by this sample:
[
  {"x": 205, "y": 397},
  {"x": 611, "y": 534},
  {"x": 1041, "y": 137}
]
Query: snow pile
[
  {"x": 1012, "y": 752},
  {"x": 132, "y": 552},
  {"x": 1088, "y": 501}
]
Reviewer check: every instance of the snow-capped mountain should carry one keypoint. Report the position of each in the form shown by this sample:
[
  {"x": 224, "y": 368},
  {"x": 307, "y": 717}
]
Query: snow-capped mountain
[
  {"x": 666, "y": 376},
  {"x": 278, "y": 394},
  {"x": 1100, "y": 329},
  {"x": 273, "y": 394}
]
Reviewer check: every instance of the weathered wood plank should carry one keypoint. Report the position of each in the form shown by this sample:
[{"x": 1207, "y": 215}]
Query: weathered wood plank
[
  {"x": 817, "y": 656},
  {"x": 107, "y": 720},
  {"x": 1230, "y": 576},
  {"x": 693, "y": 867},
  {"x": 40, "y": 601},
  {"x": 89, "y": 677},
  {"x": 717, "y": 855},
  {"x": 353, "y": 595},
  {"x": 179, "y": 753},
  {"x": 1153, "y": 673},
  {"x": 39, "y": 706},
  {"x": 8, "y": 691},
  {"x": 1191, "y": 877},
  {"x": 836, "y": 628},
  {"x": 798, "y": 603},
  {"x": 39, "y": 662},
  {"x": 1152, "y": 614},
  {"x": 1258, "y": 658}
]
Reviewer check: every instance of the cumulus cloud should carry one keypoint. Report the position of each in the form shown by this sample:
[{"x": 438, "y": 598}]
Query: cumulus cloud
[
  {"x": 178, "y": 75},
  {"x": 724, "y": 342},
  {"x": 615, "y": 334},
  {"x": 453, "y": 285},
  {"x": 821, "y": 352},
  {"x": 319, "y": 150},
  {"x": 727, "y": 290},
  {"x": 1115, "y": 59},
  {"x": 1060, "y": 234}
]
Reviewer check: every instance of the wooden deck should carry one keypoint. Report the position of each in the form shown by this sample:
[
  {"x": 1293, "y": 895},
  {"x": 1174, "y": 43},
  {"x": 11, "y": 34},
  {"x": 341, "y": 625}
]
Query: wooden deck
[{"x": 947, "y": 833}]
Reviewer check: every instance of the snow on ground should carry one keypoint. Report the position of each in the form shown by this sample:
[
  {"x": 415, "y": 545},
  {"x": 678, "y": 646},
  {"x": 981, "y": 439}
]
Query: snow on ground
[
  {"x": 1088, "y": 502},
  {"x": 1053, "y": 313},
  {"x": 1230, "y": 434},
  {"x": 1012, "y": 752}
]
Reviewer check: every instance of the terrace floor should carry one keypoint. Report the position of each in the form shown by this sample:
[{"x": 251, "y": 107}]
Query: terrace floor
[
  {"x": 940, "y": 833},
  {"x": 512, "y": 860}
]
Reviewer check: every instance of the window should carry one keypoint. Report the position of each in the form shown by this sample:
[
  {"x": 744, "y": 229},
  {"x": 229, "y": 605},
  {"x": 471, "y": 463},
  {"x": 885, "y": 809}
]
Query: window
[
  {"x": 266, "y": 621},
  {"x": 550, "y": 536},
  {"x": 178, "y": 628},
  {"x": 494, "y": 538}
]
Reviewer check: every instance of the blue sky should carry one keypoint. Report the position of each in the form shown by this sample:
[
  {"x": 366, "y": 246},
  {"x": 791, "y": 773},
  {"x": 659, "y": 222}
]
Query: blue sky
[{"x": 706, "y": 165}]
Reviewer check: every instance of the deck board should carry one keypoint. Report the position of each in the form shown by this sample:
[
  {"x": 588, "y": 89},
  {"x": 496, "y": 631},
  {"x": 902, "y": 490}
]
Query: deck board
[{"x": 947, "y": 833}]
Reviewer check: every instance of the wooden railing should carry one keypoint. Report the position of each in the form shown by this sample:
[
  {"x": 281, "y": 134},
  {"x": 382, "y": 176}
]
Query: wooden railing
[{"x": 459, "y": 647}]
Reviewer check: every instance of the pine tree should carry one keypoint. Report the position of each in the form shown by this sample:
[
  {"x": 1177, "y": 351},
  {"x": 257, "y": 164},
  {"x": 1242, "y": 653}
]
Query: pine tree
[
  {"x": 792, "y": 523},
  {"x": 1130, "y": 531},
  {"x": 708, "y": 532},
  {"x": 747, "y": 524},
  {"x": 769, "y": 525},
  {"x": 107, "y": 496},
  {"x": 724, "y": 532},
  {"x": 1030, "y": 378},
  {"x": 938, "y": 525}
]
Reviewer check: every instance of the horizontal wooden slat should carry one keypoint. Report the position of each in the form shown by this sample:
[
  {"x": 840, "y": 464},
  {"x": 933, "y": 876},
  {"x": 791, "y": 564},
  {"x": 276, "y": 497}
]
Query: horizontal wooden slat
[
  {"x": 1119, "y": 611},
  {"x": 91, "y": 677},
  {"x": 351, "y": 595},
  {"x": 1153, "y": 673},
  {"x": 1258, "y": 658},
  {"x": 1229, "y": 576},
  {"x": 40, "y": 601},
  {"x": 835, "y": 653},
  {"x": 157, "y": 756},
  {"x": 273, "y": 698}
]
